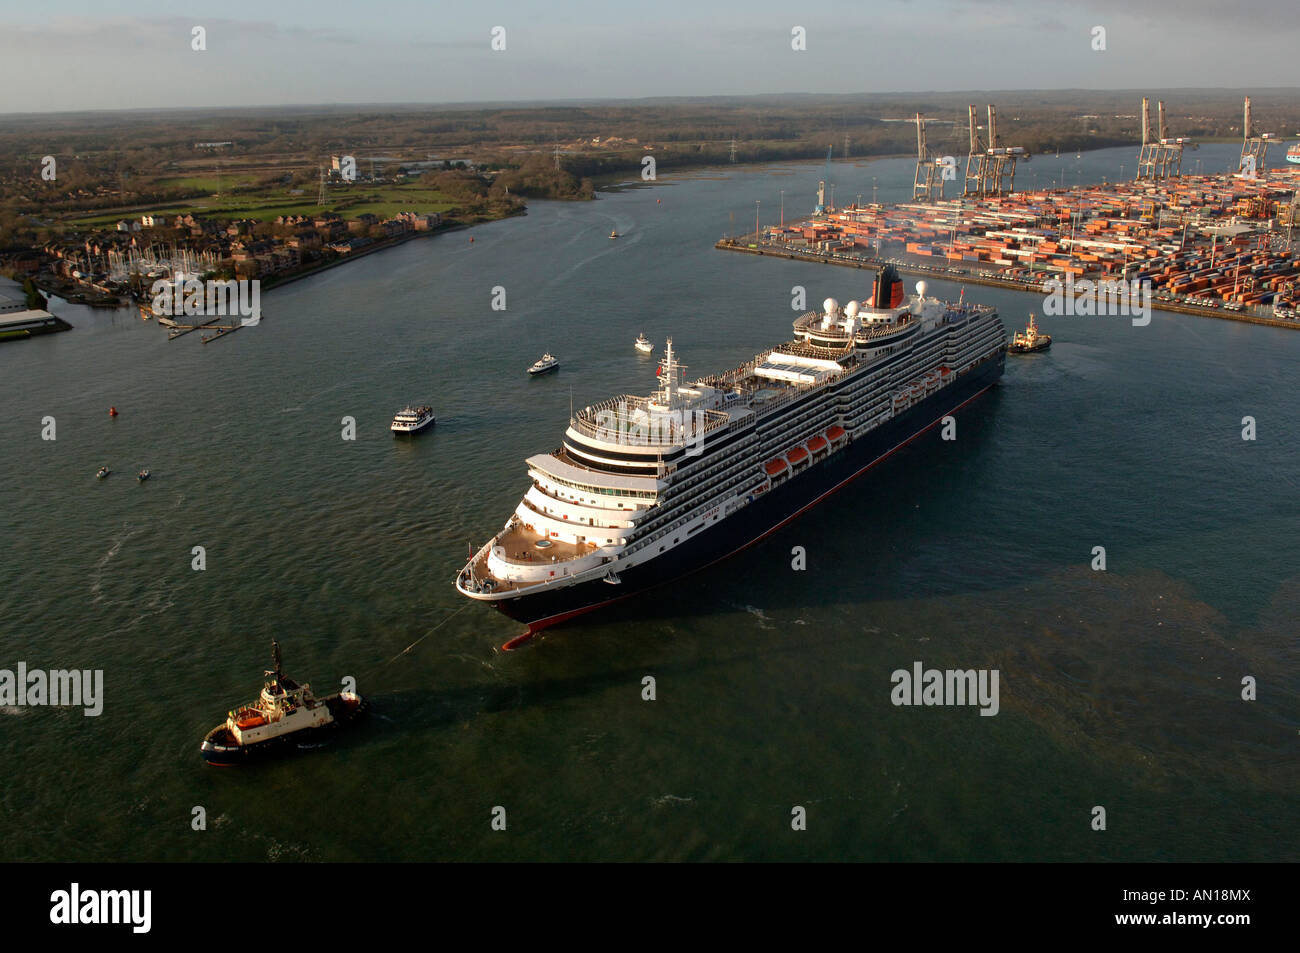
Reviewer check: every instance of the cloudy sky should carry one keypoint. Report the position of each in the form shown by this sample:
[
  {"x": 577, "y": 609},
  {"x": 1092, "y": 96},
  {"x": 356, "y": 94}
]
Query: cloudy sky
[{"x": 100, "y": 54}]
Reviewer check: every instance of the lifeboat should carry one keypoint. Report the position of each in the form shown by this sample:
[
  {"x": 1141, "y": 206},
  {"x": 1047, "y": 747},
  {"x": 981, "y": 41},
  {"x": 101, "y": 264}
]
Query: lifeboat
[
  {"x": 817, "y": 444},
  {"x": 797, "y": 456},
  {"x": 775, "y": 467},
  {"x": 836, "y": 434},
  {"x": 250, "y": 719}
]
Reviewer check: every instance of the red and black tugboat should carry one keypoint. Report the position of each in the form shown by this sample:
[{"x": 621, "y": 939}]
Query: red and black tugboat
[{"x": 285, "y": 716}]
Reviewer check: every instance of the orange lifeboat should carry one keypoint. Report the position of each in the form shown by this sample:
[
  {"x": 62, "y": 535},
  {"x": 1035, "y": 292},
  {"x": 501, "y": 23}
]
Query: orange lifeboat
[
  {"x": 773, "y": 467},
  {"x": 835, "y": 433},
  {"x": 817, "y": 444},
  {"x": 797, "y": 456},
  {"x": 249, "y": 719}
]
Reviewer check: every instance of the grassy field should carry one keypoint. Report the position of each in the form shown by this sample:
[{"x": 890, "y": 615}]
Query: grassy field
[
  {"x": 348, "y": 201},
  {"x": 209, "y": 183}
]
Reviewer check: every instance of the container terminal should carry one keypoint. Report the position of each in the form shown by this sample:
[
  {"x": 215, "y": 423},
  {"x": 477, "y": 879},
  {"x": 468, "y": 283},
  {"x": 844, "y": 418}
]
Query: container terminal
[{"x": 1219, "y": 245}]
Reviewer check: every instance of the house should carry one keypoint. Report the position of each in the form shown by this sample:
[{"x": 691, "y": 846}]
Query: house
[
  {"x": 419, "y": 221},
  {"x": 363, "y": 222},
  {"x": 304, "y": 241}
]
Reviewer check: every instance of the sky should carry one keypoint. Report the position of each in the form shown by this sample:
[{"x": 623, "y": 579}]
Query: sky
[{"x": 62, "y": 55}]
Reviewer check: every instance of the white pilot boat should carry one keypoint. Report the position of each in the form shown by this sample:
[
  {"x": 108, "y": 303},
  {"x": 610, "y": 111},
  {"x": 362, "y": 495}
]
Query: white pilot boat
[
  {"x": 643, "y": 344},
  {"x": 548, "y": 362},
  {"x": 286, "y": 715},
  {"x": 412, "y": 419}
]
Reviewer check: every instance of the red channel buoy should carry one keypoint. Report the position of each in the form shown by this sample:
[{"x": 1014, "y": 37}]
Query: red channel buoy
[{"x": 112, "y": 411}]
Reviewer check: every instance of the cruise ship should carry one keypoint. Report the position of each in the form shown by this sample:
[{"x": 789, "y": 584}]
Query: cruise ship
[{"x": 646, "y": 489}]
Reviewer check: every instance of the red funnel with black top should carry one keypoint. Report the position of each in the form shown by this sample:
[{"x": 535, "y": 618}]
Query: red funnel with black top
[{"x": 887, "y": 292}]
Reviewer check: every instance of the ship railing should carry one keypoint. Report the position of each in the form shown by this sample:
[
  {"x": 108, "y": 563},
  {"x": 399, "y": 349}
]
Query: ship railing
[{"x": 611, "y": 422}]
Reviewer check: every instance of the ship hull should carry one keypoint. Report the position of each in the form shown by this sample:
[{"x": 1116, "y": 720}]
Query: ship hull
[
  {"x": 1026, "y": 349},
  {"x": 760, "y": 518}
]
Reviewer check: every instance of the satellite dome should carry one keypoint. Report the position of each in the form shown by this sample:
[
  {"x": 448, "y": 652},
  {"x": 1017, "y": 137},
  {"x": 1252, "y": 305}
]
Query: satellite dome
[
  {"x": 830, "y": 306},
  {"x": 851, "y": 310},
  {"x": 920, "y": 288}
]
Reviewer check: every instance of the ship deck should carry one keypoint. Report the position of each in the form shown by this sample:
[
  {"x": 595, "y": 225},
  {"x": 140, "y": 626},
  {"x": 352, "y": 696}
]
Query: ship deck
[
  {"x": 521, "y": 546},
  {"x": 522, "y": 549}
]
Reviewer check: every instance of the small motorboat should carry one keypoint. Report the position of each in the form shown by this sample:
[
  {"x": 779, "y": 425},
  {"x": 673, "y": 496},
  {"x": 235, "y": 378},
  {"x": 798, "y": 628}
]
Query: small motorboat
[
  {"x": 102, "y": 472},
  {"x": 613, "y": 234},
  {"x": 284, "y": 717},
  {"x": 548, "y": 362},
  {"x": 142, "y": 475},
  {"x": 643, "y": 344}
]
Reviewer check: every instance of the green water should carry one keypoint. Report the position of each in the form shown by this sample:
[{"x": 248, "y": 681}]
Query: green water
[{"x": 1119, "y": 689}]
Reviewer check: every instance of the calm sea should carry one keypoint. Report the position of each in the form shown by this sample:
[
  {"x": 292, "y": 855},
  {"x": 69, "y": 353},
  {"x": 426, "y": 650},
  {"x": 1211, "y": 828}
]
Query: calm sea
[{"x": 1120, "y": 689}]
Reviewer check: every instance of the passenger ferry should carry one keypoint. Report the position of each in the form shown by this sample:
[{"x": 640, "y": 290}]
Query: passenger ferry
[
  {"x": 412, "y": 420},
  {"x": 646, "y": 489}
]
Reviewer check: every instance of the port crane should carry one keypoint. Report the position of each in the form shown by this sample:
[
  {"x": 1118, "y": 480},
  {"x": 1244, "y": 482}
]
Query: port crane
[
  {"x": 1161, "y": 156},
  {"x": 991, "y": 168},
  {"x": 1254, "y": 146},
  {"x": 821, "y": 186},
  {"x": 929, "y": 168}
]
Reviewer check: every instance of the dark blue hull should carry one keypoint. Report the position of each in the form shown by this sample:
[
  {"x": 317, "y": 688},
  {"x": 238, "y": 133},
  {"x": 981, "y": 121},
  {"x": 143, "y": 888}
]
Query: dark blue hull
[{"x": 762, "y": 517}]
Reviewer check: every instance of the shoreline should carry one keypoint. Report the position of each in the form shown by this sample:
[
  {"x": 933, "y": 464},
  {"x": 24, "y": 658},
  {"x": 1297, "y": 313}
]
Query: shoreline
[
  {"x": 976, "y": 278},
  {"x": 277, "y": 281}
]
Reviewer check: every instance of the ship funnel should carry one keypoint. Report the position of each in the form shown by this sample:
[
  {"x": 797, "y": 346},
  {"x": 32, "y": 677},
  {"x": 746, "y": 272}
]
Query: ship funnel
[{"x": 888, "y": 290}]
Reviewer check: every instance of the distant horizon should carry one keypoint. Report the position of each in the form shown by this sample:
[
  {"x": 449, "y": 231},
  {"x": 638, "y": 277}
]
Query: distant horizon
[
  {"x": 299, "y": 54},
  {"x": 1149, "y": 91}
]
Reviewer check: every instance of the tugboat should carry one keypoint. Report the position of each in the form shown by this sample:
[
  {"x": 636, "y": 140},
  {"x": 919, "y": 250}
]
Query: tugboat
[
  {"x": 548, "y": 362},
  {"x": 412, "y": 420},
  {"x": 286, "y": 716},
  {"x": 643, "y": 344},
  {"x": 142, "y": 475},
  {"x": 1023, "y": 342},
  {"x": 102, "y": 472}
]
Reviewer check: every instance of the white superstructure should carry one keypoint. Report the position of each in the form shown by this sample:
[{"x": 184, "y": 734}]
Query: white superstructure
[{"x": 637, "y": 477}]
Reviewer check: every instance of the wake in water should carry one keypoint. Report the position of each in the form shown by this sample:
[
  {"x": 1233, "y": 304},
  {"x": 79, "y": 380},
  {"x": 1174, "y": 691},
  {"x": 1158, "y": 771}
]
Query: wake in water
[
  {"x": 97, "y": 577},
  {"x": 155, "y": 601}
]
